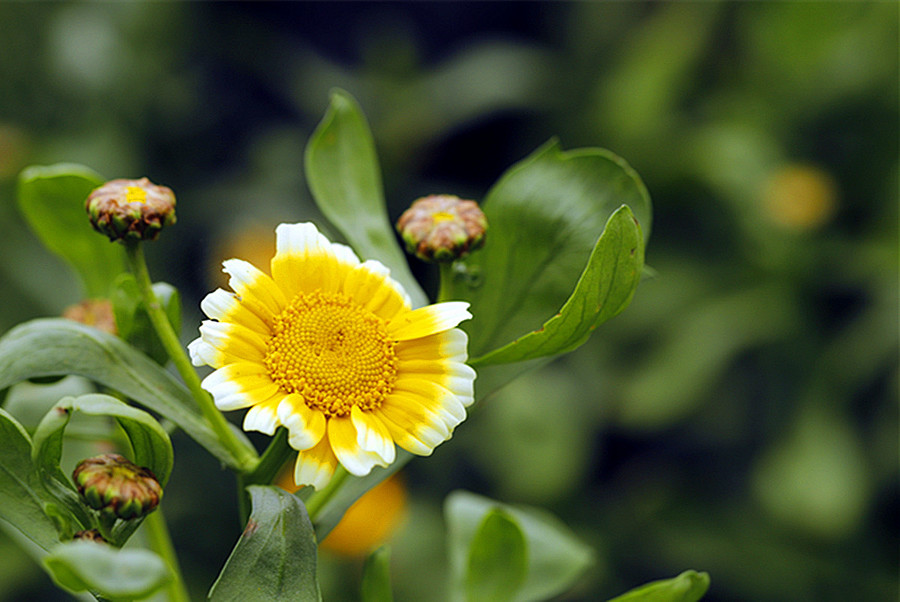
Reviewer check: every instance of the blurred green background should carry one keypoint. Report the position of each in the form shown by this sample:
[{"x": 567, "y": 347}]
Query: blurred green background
[{"x": 741, "y": 417}]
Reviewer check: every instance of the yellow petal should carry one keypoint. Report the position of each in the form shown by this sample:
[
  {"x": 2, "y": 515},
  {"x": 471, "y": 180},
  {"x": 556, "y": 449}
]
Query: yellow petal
[
  {"x": 372, "y": 435},
  {"x": 370, "y": 284},
  {"x": 428, "y": 320},
  {"x": 230, "y": 342},
  {"x": 263, "y": 417},
  {"x": 306, "y": 261},
  {"x": 315, "y": 465},
  {"x": 306, "y": 426},
  {"x": 456, "y": 377},
  {"x": 449, "y": 345},
  {"x": 343, "y": 437},
  {"x": 257, "y": 291},
  {"x": 239, "y": 385},
  {"x": 227, "y": 307},
  {"x": 434, "y": 398}
]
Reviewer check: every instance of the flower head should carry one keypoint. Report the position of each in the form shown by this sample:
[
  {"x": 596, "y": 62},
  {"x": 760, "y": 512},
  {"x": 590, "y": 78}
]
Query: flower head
[
  {"x": 131, "y": 209},
  {"x": 329, "y": 348},
  {"x": 112, "y": 483},
  {"x": 442, "y": 227}
]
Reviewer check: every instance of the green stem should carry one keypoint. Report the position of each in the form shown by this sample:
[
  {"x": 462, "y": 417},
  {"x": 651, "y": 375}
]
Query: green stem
[
  {"x": 270, "y": 463},
  {"x": 446, "y": 279},
  {"x": 319, "y": 499},
  {"x": 247, "y": 460},
  {"x": 161, "y": 543}
]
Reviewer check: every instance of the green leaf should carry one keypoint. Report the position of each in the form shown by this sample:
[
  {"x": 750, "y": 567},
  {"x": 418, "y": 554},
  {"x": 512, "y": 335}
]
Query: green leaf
[
  {"x": 21, "y": 504},
  {"x": 376, "y": 579},
  {"x": 133, "y": 322},
  {"x": 689, "y": 586},
  {"x": 149, "y": 442},
  {"x": 545, "y": 215},
  {"x": 498, "y": 559},
  {"x": 556, "y": 558},
  {"x": 275, "y": 558},
  {"x": 109, "y": 572},
  {"x": 52, "y": 200},
  {"x": 55, "y": 347},
  {"x": 345, "y": 180},
  {"x": 604, "y": 290}
]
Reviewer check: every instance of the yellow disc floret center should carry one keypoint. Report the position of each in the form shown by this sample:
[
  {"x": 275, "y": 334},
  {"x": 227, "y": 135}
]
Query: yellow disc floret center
[{"x": 333, "y": 353}]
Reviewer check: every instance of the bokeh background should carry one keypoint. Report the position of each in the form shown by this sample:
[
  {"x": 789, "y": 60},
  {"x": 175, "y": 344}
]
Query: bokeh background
[{"x": 741, "y": 417}]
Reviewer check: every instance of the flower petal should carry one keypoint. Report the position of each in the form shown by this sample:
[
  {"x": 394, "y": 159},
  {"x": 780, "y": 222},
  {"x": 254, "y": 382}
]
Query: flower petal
[
  {"x": 239, "y": 385},
  {"x": 306, "y": 261},
  {"x": 227, "y": 307},
  {"x": 315, "y": 465},
  {"x": 428, "y": 320},
  {"x": 370, "y": 284},
  {"x": 413, "y": 426},
  {"x": 343, "y": 436},
  {"x": 229, "y": 343},
  {"x": 263, "y": 417},
  {"x": 456, "y": 377},
  {"x": 257, "y": 291},
  {"x": 306, "y": 426},
  {"x": 434, "y": 398},
  {"x": 372, "y": 435},
  {"x": 449, "y": 345}
]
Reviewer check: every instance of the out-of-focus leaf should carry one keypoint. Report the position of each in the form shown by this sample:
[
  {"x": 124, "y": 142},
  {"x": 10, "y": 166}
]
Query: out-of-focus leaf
[
  {"x": 689, "y": 586},
  {"x": 344, "y": 177},
  {"x": 376, "y": 579},
  {"x": 112, "y": 573},
  {"x": 132, "y": 321},
  {"x": 55, "y": 347},
  {"x": 20, "y": 502},
  {"x": 498, "y": 559},
  {"x": 545, "y": 215},
  {"x": 556, "y": 558},
  {"x": 275, "y": 558},
  {"x": 52, "y": 200},
  {"x": 604, "y": 290},
  {"x": 816, "y": 478}
]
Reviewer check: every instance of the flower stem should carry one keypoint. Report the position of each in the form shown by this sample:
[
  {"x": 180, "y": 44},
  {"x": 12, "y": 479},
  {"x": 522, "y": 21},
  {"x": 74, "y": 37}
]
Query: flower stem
[
  {"x": 446, "y": 279},
  {"x": 319, "y": 499},
  {"x": 246, "y": 459},
  {"x": 161, "y": 543}
]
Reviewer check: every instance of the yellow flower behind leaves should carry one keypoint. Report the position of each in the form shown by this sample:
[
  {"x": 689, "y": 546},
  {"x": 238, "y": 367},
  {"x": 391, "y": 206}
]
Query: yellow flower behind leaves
[{"x": 330, "y": 348}]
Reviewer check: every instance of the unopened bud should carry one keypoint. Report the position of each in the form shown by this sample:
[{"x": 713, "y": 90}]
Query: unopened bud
[
  {"x": 111, "y": 483},
  {"x": 131, "y": 209},
  {"x": 442, "y": 228},
  {"x": 89, "y": 535},
  {"x": 93, "y": 312}
]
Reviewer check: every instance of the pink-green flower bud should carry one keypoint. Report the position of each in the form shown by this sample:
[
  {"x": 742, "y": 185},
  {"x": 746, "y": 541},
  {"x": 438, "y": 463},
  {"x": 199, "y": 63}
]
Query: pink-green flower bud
[
  {"x": 442, "y": 228},
  {"x": 111, "y": 483},
  {"x": 131, "y": 209}
]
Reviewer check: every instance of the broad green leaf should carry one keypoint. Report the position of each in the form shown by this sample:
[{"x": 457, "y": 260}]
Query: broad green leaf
[
  {"x": 604, "y": 290},
  {"x": 498, "y": 559},
  {"x": 556, "y": 558},
  {"x": 376, "y": 579},
  {"x": 545, "y": 215},
  {"x": 689, "y": 586},
  {"x": 109, "y": 572},
  {"x": 345, "y": 179},
  {"x": 55, "y": 347},
  {"x": 149, "y": 442},
  {"x": 20, "y": 502},
  {"x": 52, "y": 200},
  {"x": 133, "y": 323},
  {"x": 275, "y": 558}
]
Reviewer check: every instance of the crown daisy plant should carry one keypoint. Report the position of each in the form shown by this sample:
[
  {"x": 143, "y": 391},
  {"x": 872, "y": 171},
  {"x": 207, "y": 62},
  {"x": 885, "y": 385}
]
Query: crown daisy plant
[{"x": 330, "y": 348}]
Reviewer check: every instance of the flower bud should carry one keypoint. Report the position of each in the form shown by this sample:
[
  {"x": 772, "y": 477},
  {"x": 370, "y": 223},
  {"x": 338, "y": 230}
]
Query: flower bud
[
  {"x": 89, "y": 535},
  {"x": 93, "y": 312},
  {"x": 442, "y": 228},
  {"x": 111, "y": 483},
  {"x": 131, "y": 209}
]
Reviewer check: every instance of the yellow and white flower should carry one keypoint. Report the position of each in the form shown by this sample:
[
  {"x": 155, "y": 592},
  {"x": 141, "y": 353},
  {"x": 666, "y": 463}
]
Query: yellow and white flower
[{"x": 330, "y": 348}]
